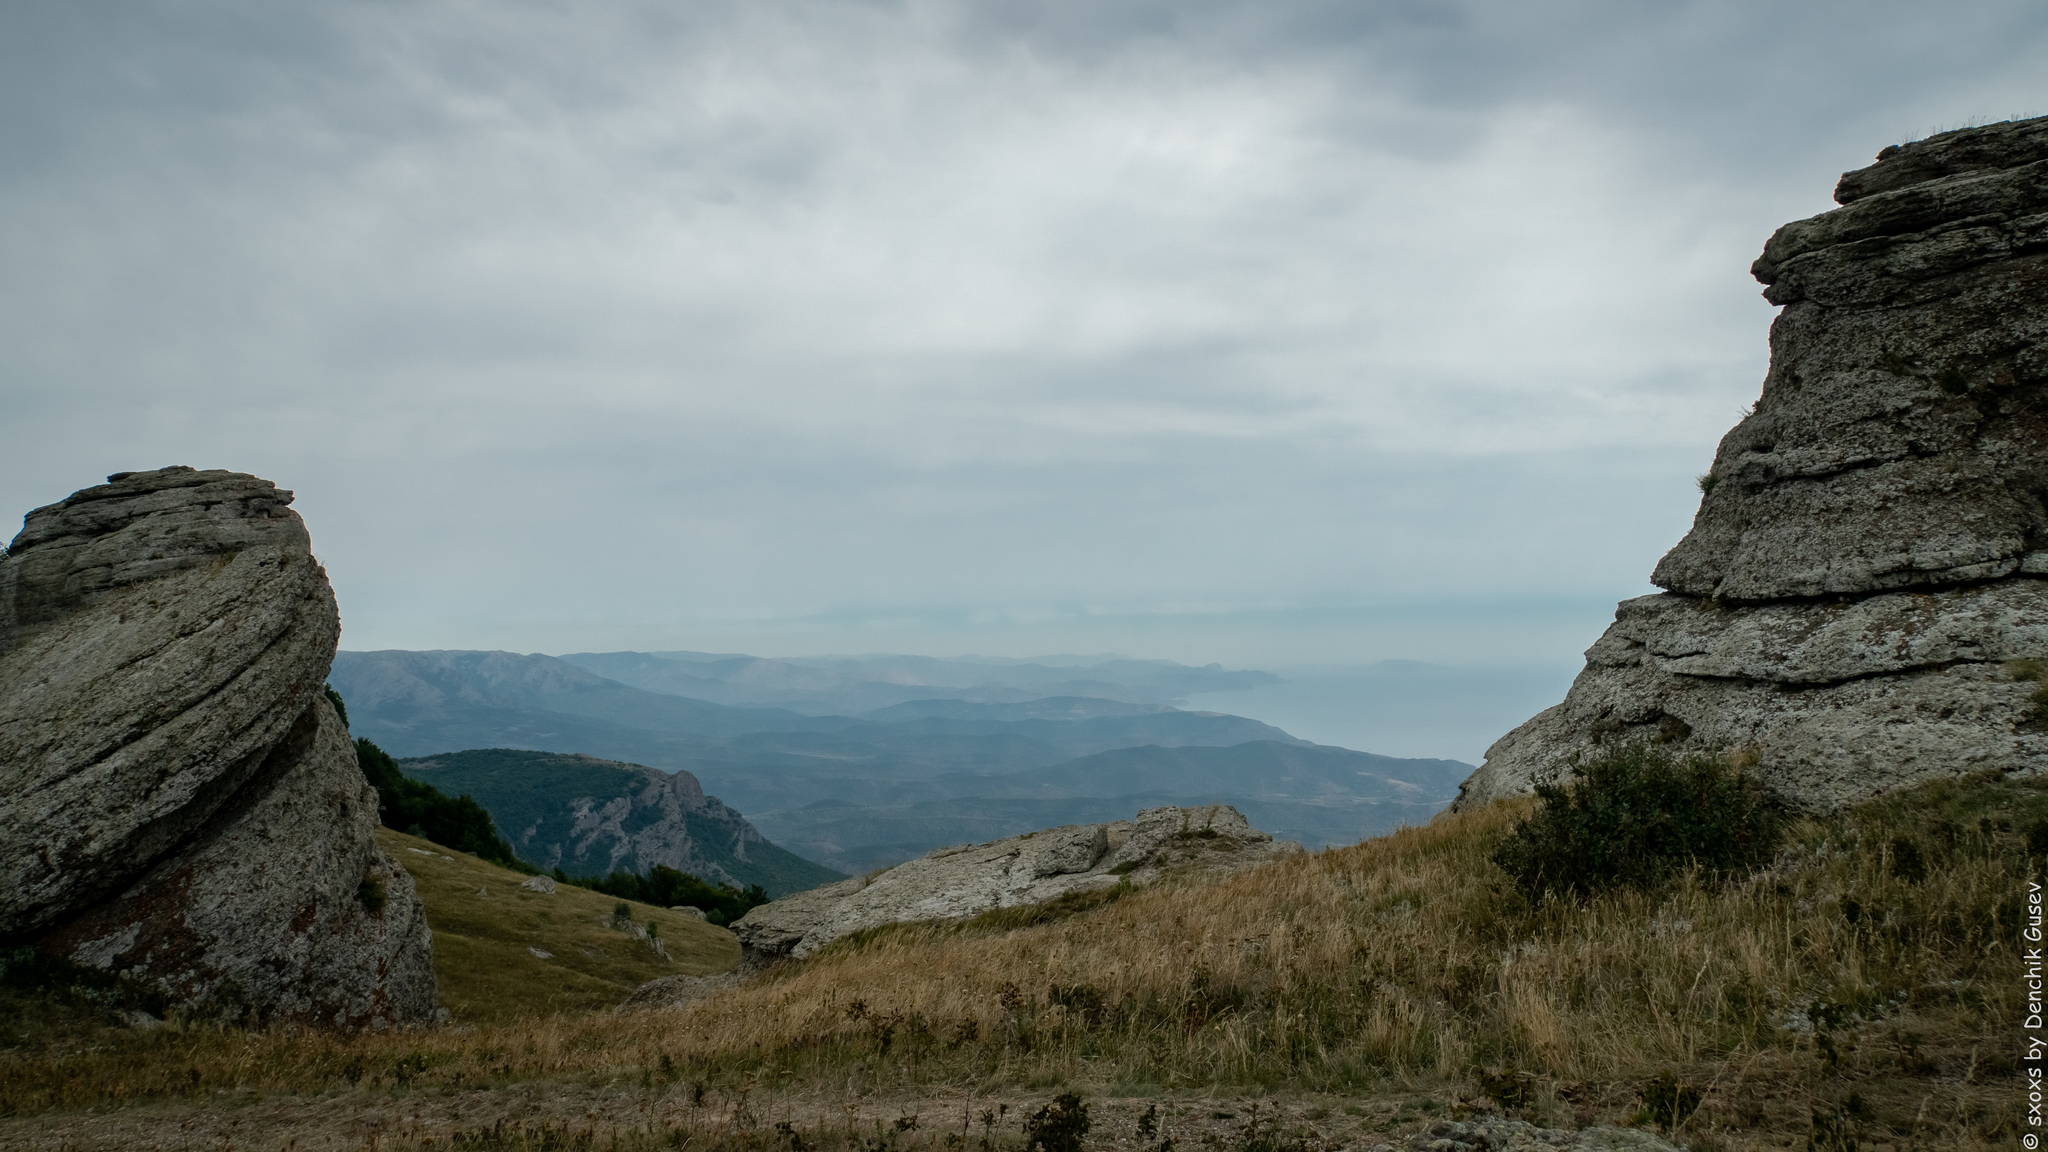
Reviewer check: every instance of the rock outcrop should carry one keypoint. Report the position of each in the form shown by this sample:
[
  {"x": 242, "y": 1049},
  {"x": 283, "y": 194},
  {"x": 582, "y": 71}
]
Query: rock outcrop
[
  {"x": 1027, "y": 869},
  {"x": 1865, "y": 587},
  {"x": 591, "y": 817},
  {"x": 179, "y": 804}
]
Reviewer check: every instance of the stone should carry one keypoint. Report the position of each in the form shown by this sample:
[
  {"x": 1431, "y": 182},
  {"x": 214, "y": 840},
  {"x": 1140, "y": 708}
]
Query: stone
[
  {"x": 1862, "y": 588},
  {"x": 685, "y": 909},
  {"x": 545, "y": 885},
  {"x": 948, "y": 883},
  {"x": 669, "y": 992},
  {"x": 1493, "y": 1135},
  {"x": 178, "y": 801}
]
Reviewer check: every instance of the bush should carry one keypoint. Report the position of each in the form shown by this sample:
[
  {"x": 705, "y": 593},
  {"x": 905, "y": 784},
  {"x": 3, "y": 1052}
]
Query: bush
[
  {"x": 1633, "y": 817},
  {"x": 1059, "y": 1126},
  {"x": 666, "y": 887}
]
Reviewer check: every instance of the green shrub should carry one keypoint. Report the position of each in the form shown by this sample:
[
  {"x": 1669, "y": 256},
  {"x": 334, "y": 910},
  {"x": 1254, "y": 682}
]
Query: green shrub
[
  {"x": 1634, "y": 816},
  {"x": 1057, "y": 1127},
  {"x": 666, "y": 887}
]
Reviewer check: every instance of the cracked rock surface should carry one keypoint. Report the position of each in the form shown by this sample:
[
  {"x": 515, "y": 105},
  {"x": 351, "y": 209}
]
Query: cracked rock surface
[
  {"x": 1028, "y": 869},
  {"x": 1868, "y": 570},
  {"x": 178, "y": 802}
]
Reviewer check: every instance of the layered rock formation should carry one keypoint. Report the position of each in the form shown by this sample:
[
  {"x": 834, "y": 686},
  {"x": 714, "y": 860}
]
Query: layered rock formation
[
  {"x": 1027, "y": 869},
  {"x": 1862, "y": 594},
  {"x": 178, "y": 802}
]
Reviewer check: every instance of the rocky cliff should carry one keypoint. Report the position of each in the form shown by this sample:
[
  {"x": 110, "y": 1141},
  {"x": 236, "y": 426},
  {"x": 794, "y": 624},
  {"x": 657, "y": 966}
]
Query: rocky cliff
[
  {"x": 1028, "y": 869},
  {"x": 178, "y": 802},
  {"x": 589, "y": 817},
  {"x": 1864, "y": 592}
]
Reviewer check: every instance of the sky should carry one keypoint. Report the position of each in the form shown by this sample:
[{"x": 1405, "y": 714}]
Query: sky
[{"x": 1273, "y": 334}]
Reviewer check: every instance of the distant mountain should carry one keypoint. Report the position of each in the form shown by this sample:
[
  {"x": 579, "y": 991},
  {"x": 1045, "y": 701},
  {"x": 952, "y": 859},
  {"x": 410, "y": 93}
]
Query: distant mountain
[
  {"x": 415, "y": 703},
  {"x": 856, "y": 838},
  {"x": 860, "y": 791},
  {"x": 1317, "y": 795},
  {"x": 852, "y": 685},
  {"x": 591, "y": 817}
]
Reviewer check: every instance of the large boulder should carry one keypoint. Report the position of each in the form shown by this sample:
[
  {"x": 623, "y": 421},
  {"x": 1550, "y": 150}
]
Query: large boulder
[
  {"x": 1035, "y": 867},
  {"x": 1861, "y": 599},
  {"x": 178, "y": 802}
]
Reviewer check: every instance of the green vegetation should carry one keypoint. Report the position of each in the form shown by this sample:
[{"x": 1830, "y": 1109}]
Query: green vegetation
[
  {"x": 1636, "y": 816},
  {"x": 456, "y": 822},
  {"x": 666, "y": 887}
]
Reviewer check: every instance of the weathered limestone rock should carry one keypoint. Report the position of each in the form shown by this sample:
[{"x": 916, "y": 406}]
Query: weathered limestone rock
[
  {"x": 178, "y": 802},
  {"x": 1868, "y": 560},
  {"x": 1027, "y": 869}
]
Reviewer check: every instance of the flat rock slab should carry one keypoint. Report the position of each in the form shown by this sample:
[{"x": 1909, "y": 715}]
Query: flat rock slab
[{"x": 1035, "y": 867}]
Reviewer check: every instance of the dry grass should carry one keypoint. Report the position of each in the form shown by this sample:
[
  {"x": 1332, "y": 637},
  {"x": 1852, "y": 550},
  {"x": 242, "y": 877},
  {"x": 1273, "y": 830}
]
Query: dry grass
[
  {"x": 483, "y": 943},
  {"x": 1835, "y": 984}
]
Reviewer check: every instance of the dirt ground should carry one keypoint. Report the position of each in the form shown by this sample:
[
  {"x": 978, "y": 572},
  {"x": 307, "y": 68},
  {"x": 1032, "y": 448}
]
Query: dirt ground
[{"x": 629, "y": 1116}]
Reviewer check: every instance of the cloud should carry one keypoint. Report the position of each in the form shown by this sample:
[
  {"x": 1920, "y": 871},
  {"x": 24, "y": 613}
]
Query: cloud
[{"x": 660, "y": 317}]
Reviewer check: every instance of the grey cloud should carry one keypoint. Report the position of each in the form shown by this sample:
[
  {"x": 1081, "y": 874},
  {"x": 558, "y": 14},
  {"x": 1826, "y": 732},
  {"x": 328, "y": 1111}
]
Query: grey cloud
[{"x": 789, "y": 316}]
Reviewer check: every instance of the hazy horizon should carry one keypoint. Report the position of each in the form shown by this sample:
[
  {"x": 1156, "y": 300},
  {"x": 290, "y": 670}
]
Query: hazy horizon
[{"x": 1262, "y": 334}]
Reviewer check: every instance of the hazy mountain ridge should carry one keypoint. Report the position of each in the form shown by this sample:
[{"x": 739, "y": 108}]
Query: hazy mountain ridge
[
  {"x": 858, "y": 792},
  {"x": 1314, "y": 794},
  {"x": 851, "y": 685},
  {"x": 417, "y": 703}
]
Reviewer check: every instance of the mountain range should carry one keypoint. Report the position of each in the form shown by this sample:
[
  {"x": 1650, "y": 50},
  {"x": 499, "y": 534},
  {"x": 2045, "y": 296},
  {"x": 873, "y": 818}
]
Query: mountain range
[{"x": 971, "y": 756}]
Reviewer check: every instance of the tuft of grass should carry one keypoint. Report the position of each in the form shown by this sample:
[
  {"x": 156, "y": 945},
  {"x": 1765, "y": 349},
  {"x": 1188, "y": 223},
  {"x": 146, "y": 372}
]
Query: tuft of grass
[
  {"x": 371, "y": 895},
  {"x": 2036, "y": 673}
]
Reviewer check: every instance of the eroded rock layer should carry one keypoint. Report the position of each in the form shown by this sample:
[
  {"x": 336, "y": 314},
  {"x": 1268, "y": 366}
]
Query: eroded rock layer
[
  {"x": 1861, "y": 596},
  {"x": 178, "y": 802}
]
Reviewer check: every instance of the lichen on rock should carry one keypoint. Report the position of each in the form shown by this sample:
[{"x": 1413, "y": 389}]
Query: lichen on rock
[
  {"x": 178, "y": 802},
  {"x": 1866, "y": 569}
]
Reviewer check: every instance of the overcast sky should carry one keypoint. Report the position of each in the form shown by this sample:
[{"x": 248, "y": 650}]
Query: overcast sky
[{"x": 1267, "y": 333}]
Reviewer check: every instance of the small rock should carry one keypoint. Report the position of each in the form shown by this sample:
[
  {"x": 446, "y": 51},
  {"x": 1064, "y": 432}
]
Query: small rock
[
  {"x": 542, "y": 884},
  {"x": 685, "y": 909},
  {"x": 540, "y": 955},
  {"x": 675, "y": 991}
]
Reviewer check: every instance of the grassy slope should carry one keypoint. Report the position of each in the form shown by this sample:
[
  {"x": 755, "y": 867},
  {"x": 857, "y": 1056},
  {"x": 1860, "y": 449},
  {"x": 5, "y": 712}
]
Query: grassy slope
[
  {"x": 1838, "y": 985},
  {"x": 482, "y": 942}
]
